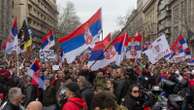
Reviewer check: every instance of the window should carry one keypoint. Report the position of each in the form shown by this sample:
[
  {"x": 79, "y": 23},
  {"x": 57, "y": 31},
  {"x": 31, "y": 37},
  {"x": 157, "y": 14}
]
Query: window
[
  {"x": 12, "y": 4},
  {"x": 30, "y": 7}
]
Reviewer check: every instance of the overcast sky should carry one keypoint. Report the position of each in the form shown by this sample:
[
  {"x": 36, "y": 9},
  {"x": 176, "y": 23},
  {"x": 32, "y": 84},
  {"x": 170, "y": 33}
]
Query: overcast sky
[{"x": 111, "y": 10}]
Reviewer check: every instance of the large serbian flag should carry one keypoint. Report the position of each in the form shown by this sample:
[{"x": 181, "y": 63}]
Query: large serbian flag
[
  {"x": 82, "y": 38},
  {"x": 101, "y": 57},
  {"x": 10, "y": 43}
]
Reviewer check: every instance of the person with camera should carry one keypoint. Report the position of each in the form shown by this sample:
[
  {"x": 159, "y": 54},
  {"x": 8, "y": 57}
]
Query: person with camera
[{"x": 74, "y": 100}]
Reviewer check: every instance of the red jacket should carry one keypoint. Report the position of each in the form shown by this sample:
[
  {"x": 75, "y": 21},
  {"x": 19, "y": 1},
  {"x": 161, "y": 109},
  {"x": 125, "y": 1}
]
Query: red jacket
[{"x": 75, "y": 104}]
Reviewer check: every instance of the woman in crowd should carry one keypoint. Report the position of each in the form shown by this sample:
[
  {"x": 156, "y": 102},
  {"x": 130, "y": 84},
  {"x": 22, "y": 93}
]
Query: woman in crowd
[{"x": 133, "y": 100}]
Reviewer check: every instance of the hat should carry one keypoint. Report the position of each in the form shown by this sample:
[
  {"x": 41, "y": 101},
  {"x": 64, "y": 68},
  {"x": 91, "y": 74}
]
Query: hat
[{"x": 73, "y": 87}]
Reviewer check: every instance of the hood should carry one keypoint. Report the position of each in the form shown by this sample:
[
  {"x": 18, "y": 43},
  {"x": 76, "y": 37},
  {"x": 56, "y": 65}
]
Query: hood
[{"x": 78, "y": 101}]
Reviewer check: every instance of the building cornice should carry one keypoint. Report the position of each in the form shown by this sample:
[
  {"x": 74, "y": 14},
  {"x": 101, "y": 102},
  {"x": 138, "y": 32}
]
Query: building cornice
[{"x": 147, "y": 5}]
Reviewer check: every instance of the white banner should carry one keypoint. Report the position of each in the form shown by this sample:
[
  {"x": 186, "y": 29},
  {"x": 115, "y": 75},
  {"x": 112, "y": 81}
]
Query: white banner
[
  {"x": 47, "y": 54},
  {"x": 158, "y": 49}
]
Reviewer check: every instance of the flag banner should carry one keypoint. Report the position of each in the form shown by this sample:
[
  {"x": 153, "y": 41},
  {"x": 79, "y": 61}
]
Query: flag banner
[
  {"x": 11, "y": 42},
  {"x": 191, "y": 62},
  {"x": 34, "y": 73},
  {"x": 180, "y": 48},
  {"x": 82, "y": 38},
  {"x": 47, "y": 41},
  {"x": 158, "y": 49},
  {"x": 113, "y": 54},
  {"x": 134, "y": 47},
  {"x": 25, "y": 36}
]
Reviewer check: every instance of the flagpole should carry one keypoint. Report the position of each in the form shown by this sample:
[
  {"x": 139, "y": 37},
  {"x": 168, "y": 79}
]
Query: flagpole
[{"x": 17, "y": 55}]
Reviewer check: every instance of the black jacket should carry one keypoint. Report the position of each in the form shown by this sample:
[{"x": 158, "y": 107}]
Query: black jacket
[
  {"x": 120, "y": 89},
  {"x": 88, "y": 93},
  {"x": 133, "y": 103},
  {"x": 49, "y": 96},
  {"x": 10, "y": 106}
]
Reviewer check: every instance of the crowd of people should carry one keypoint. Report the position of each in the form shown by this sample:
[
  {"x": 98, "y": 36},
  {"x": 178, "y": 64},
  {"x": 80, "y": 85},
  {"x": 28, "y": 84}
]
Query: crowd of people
[{"x": 134, "y": 85}]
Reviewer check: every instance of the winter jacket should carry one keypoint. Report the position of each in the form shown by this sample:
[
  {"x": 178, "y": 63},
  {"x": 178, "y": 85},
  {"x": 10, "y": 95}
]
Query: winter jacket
[
  {"x": 49, "y": 96},
  {"x": 133, "y": 103},
  {"x": 120, "y": 89},
  {"x": 75, "y": 103},
  {"x": 10, "y": 106},
  {"x": 87, "y": 94}
]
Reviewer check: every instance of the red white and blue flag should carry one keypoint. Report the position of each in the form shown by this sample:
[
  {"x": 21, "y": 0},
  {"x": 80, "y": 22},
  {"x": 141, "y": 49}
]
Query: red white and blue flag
[
  {"x": 34, "y": 73},
  {"x": 191, "y": 62},
  {"x": 82, "y": 38},
  {"x": 101, "y": 57},
  {"x": 48, "y": 41},
  {"x": 134, "y": 47},
  {"x": 10, "y": 43},
  {"x": 180, "y": 49}
]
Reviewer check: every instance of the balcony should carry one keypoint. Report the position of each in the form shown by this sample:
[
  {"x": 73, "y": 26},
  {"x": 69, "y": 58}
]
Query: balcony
[
  {"x": 163, "y": 4},
  {"x": 163, "y": 16}
]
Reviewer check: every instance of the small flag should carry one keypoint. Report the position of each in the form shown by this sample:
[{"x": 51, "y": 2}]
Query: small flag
[
  {"x": 10, "y": 43},
  {"x": 34, "y": 73},
  {"x": 48, "y": 41},
  {"x": 25, "y": 36}
]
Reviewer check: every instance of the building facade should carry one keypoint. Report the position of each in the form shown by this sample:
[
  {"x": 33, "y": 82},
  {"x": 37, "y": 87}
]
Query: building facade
[
  {"x": 172, "y": 17},
  {"x": 135, "y": 21},
  {"x": 164, "y": 18},
  {"x": 182, "y": 17},
  {"x": 150, "y": 19},
  {"x": 6, "y": 8},
  {"x": 41, "y": 15}
]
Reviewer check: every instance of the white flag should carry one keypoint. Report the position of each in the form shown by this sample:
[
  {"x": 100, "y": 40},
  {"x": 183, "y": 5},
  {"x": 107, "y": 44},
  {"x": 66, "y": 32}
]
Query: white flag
[{"x": 158, "y": 49}]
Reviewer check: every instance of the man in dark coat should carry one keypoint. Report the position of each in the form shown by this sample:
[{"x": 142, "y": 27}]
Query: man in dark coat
[
  {"x": 49, "y": 96},
  {"x": 121, "y": 85},
  {"x": 87, "y": 91},
  {"x": 15, "y": 97}
]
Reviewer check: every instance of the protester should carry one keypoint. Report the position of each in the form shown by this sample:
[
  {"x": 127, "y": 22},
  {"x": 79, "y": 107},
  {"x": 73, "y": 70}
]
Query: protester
[
  {"x": 49, "y": 96},
  {"x": 15, "y": 98},
  {"x": 74, "y": 100},
  {"x": 87, "y": 92},
  {"x": 133, "y": 100},
  {"x": 106, "y": 101},
  {"x": 35, "y": 105},
  {"x": 121, "y": 85}
]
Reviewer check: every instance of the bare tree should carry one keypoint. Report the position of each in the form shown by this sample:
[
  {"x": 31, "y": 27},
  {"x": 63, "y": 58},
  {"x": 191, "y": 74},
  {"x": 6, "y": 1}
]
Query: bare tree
[{"x": 68, "y": 20}]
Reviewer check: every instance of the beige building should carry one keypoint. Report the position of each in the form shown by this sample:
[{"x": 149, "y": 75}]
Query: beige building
[
  {"x": 172, "y": 17},
  {"x": 182, "y": 12},
  {"x": 150, "y": 19},
  {"x": 5, "y": 17},
  {"x": 41, "y": 15},
  {"x": 135, "y": 21},
  {"x": 164, "y": 18}
]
